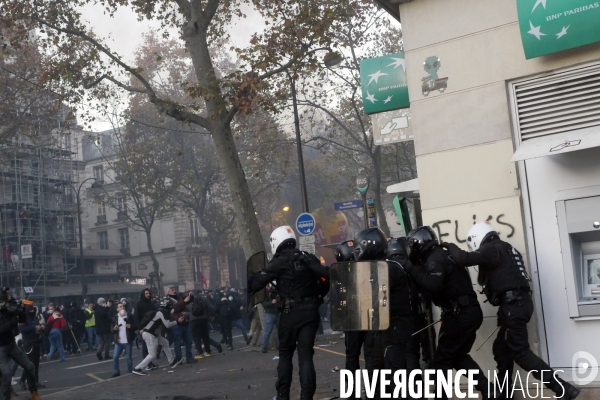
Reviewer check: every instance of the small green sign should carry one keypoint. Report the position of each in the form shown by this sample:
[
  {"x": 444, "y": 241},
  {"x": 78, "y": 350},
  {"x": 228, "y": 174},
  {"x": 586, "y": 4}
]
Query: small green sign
[
  {"x": 549, "y": 26},
  {"x": 383, "y": 82}
]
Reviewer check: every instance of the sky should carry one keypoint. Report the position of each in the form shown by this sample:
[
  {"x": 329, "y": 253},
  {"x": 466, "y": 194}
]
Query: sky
[{"x": 125, "y": 33}]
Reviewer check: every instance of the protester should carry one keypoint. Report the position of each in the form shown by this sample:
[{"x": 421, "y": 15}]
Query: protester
[
  {"x": 56, "y": 323},
  {"x": 102, "y": 328},
  {"x": 123, "y": 331}
]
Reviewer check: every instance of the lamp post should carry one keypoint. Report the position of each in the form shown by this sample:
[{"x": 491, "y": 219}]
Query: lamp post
[
  {"x": 299, "y": 145},
  {"x": 78, "y": 199},
  {"x": 330, "y": 60}
]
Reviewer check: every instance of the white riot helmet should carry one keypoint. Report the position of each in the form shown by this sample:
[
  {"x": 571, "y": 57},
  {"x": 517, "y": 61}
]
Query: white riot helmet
[
  {"x": 284, "y": 235},
  {"x": 478, "y": 233}
]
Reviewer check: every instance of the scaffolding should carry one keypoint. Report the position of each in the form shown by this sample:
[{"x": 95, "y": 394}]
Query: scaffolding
[{"x": 38, "y": 212}]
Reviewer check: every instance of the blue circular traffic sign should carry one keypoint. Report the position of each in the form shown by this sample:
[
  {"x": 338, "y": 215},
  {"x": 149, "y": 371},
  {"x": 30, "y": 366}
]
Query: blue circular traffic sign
[{"x": 305, "y": 224}]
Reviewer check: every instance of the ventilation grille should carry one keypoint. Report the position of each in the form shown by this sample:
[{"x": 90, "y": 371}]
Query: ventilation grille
[{"x": 559, "y": 103}]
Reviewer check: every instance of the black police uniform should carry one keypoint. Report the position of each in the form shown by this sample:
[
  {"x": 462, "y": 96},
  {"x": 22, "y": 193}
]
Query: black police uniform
[
  {"x": 298, "y": 277},
  {"x": 506, "y": 284},
  {"x": 10, "y": 353},
  {"x": 451, "y": 289},
  {"x": 404, "y": 311}
]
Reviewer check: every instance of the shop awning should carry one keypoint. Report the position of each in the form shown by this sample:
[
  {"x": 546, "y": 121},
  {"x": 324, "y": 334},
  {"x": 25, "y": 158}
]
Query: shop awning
[
  {"x": 557, "y": 144},
  {"x": 97, "y": 254},
  {"x": 408, "y": 189}
]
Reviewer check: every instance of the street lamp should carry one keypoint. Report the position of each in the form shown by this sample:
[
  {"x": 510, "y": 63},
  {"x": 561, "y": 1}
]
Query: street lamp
[
  {"x": 286, "y": 208},
  {"x": 77, "y": 191},
  {"x": 331, "y": 59}
]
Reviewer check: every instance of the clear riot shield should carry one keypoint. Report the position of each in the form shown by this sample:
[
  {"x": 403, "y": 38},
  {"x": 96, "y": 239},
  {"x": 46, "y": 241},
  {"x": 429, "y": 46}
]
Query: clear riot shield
[
  {"x": 359, "y": 296},
  {"x": 255, "y": 264}
]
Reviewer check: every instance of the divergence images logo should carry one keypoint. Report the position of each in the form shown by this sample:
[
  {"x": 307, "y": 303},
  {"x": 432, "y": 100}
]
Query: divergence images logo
[{"x": 585, "y": 368}]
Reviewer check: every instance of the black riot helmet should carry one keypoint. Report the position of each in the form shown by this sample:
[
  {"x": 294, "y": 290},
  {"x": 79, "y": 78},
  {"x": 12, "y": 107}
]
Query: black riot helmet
[
  {"x": 345, "y": 251},
  {"x": 419, "y": 243},
  {"x": 370, "y": 244},
  {"x": 396, "y": 247}
]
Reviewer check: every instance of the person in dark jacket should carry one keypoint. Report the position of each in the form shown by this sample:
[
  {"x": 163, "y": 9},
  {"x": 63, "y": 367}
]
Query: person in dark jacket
[
  {"x": 76, "y": 318},
  {"x": 201, "y": 313},
  {"x": 46, "y": 314},
  {"x": 123, "y": 331},
  {"x": 182, "y": 330},
  {"x": 112, "y": 309},
  {"x": 225, "y": 318},
  {"x": 102, "y": 328},
  {"x": 143, "y": 306},
  {"x": 302, "y": 282},
  {"x": 238, "y": 312},
  {"x": 31, "y": 334}
]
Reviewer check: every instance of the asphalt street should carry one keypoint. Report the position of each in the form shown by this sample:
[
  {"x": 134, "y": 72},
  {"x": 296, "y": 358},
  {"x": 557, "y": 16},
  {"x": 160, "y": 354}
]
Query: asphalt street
[{"x": 86, "y": 374}]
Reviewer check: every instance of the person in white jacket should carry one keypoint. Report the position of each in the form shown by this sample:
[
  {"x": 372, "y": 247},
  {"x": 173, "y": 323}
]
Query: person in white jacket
[{"x": 151, "y": 333}]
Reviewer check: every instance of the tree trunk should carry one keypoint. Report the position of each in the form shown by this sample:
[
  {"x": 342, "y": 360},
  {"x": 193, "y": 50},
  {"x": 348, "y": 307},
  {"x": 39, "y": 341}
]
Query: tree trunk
[
  {"x": 214, "y": 263},
  {"x": 155, "y": 265},
  {"x": 220, "y": 130},
  {"x": 229, "y": 161},
  {"x": 376, "y": 158}
]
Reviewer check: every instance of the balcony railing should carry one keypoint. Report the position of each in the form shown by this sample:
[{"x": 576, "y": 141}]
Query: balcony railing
[
  {"x": 101, "y": 219},
  {"x": 199, "y": 241},
  {"x": 122, "y": 214}
]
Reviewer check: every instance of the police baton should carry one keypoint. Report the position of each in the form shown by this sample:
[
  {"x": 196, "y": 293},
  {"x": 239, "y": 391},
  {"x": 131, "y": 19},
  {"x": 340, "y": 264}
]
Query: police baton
[
  {"x": 488, "y": 338},
  {"x": 427, "y": 327}
]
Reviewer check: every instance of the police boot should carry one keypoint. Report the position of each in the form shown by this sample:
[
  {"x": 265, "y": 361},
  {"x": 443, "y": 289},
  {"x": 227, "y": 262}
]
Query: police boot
[
  {"x": 34, "y": 396},
  {"x": 568, "y": 391}
]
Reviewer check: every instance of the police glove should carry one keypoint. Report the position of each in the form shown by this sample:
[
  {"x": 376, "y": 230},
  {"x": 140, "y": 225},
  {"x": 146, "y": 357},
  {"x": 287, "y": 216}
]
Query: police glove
[{"x": 453, "y": 250}]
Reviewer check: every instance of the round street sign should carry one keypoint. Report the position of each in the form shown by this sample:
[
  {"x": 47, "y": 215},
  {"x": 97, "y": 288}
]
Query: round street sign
[
  {"x": 305, "y": 224},
  {"x": 362, "y": 183}
]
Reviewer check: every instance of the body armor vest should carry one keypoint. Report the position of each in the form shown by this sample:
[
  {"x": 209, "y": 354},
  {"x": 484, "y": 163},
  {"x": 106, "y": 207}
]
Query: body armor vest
[
  {"x": 509, "y": 275},
  {"x": 404, "y": 295},
  {"x": 297, "y": 282},
  {"x": 457, "y": 281}
]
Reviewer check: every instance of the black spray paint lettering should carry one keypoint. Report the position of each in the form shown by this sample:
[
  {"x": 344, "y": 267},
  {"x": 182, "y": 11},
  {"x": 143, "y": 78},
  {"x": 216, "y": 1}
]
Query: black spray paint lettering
[{"x": 439, "y": 225}]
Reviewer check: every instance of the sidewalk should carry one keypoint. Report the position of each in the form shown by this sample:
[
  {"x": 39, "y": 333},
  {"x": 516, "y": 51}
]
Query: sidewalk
[{"x": 238, "y": 374}]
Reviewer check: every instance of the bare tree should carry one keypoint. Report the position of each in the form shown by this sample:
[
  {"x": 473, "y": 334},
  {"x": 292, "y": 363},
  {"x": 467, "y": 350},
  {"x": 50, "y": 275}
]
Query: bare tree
[{"x": 82, "y": 66}]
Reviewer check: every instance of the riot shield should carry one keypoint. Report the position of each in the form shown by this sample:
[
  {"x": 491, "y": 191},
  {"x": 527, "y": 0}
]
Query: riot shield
[
  {"x": 359, "y": 296},
  {"x": 255, "y": 264}
]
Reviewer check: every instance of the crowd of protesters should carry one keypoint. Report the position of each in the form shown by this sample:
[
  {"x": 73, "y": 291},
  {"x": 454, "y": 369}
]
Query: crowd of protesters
[{"x": 182, "y": 320}]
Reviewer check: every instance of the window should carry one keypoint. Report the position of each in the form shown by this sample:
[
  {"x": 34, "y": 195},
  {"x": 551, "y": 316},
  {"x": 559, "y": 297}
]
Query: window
[
  {"x": 124, "y": 235},
  {"x": 121, "y": 206},
  {"x": 125, "y": 269},
  {"x": 69, "y": 229},
  {"x": 194, "y": 229},
  {"x": 197, "y": 269},
  {"x": 101, "y": 210},
  {"x": 99, "y": 173},
  {"x": 103, "y": 239}
]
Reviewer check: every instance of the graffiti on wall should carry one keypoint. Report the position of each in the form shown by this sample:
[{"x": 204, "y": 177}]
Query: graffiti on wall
[{"x": 448, "y": 228}]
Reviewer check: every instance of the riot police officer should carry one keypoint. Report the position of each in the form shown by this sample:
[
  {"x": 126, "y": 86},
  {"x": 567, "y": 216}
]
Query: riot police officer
[
  {"x": 451, "y": 289},
  {"x": 402, "y": 350},
  {"x": 506, "y": 284},
  {"x": 301, "y": 289},
  {"x": 354, "y": 340}
]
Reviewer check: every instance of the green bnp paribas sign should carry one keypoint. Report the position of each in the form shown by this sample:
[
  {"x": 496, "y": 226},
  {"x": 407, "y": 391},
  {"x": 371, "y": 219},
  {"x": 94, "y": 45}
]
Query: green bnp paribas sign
[
  {"x": 383, "y": 82},
  {"x": 549, "y": 26}
]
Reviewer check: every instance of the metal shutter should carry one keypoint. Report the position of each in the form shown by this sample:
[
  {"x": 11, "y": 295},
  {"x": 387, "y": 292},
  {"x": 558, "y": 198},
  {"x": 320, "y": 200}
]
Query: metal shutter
[{"x": 561, "y": 102}]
